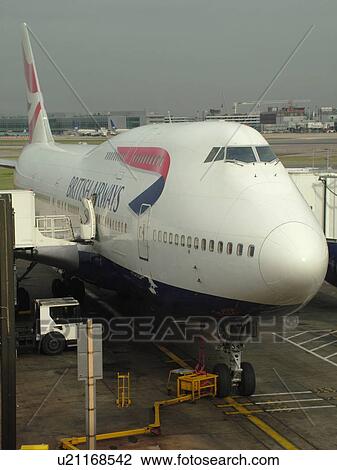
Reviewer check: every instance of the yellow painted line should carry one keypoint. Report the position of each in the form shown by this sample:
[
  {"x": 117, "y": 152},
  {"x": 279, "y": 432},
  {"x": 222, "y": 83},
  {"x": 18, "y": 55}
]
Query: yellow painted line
[
  {"x": 277, "y": 437},
  {"x": 173, "y": 356},
  {"x": 227, "y": 405},
  {"x": 238, "y": 412}
]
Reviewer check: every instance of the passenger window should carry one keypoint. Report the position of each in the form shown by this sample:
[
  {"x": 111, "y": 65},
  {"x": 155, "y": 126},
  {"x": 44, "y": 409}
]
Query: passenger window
[
  {"x": 176, "y": 239},
  {"x": 251, "y": 251},
  {"x": 154, "y": 235},
  {"x": 189, "y": 242},
  {"x": 196, "y": 243},
  {"x": 212, "y": 154},
  {"x": 170, "y": 238},
  {"x": 241, "y": 154},
  {"x": 165, "y": 237},
  {"x": 182, "y": 240},
  {"x": 220, "y": 247},
  {"x": 229, "y": 248},
  {"x": 239, "y": 249},
  {"x": 160, "y": 236},
  {"x": 211, "y": 245},
  {"x": 203, "y": 244},
  {"x": 125, "y": 227}
]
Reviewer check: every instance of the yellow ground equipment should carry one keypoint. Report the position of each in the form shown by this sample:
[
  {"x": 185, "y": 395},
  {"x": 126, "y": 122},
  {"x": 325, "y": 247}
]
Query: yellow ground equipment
[
  {"x": 35, "y": 447},
  {"x": 198, "y": 385},
  {"x": 123, "y": 390},
  {"x": 190, "y": 387}
]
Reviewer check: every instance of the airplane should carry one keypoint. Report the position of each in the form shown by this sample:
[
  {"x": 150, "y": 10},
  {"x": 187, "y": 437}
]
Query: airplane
[
  {"x": 200, "y": 218},
  {"x": 113, "y": 130},
  {"x": 89, "y": 132}
]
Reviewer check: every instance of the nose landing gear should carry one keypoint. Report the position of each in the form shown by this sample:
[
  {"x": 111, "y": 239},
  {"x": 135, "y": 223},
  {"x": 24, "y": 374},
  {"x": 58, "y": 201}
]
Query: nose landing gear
[{"x": 236, "y": 377}]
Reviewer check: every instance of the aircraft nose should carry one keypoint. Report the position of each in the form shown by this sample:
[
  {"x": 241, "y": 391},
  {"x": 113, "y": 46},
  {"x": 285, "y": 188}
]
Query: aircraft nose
[{"x": 293, "y": 262}]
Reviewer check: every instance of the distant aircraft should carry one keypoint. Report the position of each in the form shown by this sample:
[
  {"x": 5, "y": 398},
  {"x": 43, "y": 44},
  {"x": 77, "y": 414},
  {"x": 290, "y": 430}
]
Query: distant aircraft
[
  {"x": 201, "y": 218},
  {"x": 113, "y": 130}
]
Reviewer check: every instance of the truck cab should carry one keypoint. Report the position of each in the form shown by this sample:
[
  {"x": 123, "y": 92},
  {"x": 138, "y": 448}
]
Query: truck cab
[{"x": 51, "y": 326}]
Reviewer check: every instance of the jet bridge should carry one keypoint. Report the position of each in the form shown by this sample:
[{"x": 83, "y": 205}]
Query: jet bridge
[
  {"x": 49, "y": 239},
  {"x": 319, "y": 189}
]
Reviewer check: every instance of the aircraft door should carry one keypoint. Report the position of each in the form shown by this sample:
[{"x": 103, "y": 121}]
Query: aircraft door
[{"x": 143, "y": 231}]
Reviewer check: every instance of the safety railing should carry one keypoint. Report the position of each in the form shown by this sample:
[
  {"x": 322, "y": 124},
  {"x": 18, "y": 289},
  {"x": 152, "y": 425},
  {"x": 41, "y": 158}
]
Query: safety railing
[{"x": 55, "y": 226}]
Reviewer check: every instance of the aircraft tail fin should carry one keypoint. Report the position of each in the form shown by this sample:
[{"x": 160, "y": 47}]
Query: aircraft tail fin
[{"x": 39, "y": 129}]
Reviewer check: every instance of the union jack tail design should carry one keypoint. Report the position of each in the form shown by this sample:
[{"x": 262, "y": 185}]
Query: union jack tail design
[{"x": 39, "y": 129}]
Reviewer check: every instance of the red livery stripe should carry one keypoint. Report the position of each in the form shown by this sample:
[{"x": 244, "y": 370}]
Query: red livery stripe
[
  {"x": 30, "y": 75},
  {"x": 32, "y": 122},
  {"x": 154, "y": 159}
]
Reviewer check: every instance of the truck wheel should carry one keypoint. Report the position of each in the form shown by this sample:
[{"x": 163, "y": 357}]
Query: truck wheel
[
  {"x": 53, "y": 343},
  {"x": 77, "y": 289},
  {"x": 23, "y": 299}
]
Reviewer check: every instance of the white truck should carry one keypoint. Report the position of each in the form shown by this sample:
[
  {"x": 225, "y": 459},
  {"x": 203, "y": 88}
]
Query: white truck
[{"x": 52, "y": 325}]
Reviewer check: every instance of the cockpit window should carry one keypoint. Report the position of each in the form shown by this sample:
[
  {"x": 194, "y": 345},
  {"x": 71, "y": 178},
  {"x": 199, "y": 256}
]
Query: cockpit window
[
  {"x": 241, "y": 154},
  {"x": 266, "y": 154},
  {"x": 221, "y": 154},
  {"x": 212, "y": 154}
]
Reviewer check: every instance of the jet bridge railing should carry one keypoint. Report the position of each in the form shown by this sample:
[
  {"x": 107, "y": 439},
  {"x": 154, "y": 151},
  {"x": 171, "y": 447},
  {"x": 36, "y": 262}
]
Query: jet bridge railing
[{"x": 55, "y": 226}]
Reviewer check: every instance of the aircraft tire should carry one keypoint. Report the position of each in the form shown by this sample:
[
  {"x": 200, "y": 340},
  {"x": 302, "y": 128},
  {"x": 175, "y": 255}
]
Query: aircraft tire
[
  {"x": 58, "y": 288},
  {"x": 248, "y": 380},
  {"x": 23, "y": 299},
  {"x": 77, "y": 289},
  {"x": 224, "y": 380}
]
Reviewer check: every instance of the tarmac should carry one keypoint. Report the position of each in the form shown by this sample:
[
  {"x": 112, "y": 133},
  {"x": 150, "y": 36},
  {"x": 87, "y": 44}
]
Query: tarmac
[{"x": 295, "y": 405}]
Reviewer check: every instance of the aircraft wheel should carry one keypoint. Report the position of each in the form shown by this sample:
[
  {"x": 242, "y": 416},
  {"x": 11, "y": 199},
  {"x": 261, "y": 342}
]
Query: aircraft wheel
[
  {"x": 248, "y": 381},
  {"x": 77, "y": 289},
  {"x": 53, "y": 343},
  {"x": 58, "y": 288},
  {"x": 23, "y": 299},
  {"x": 224, "y": 381}
]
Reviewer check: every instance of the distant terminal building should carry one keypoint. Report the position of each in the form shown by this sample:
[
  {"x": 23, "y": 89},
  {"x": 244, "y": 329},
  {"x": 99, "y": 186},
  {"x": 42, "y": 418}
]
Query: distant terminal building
[
  {"x": 285, "y": 119},
  {"x": 252, "y": 119},
  {"x": 328, "y": 116},
  {"x": 155, "y": 118},
  {"x": 63, "y": 122}
]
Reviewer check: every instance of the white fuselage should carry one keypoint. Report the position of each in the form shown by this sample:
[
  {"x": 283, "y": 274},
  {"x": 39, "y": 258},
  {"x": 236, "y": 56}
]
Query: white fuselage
[{"x": 166, "y": 218}]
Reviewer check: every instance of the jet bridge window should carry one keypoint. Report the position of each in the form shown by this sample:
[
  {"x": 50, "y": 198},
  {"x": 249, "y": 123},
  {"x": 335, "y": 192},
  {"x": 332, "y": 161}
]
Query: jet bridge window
[
  {"x": 266, "y": 154},
  {"x": 240, "y": 154}
]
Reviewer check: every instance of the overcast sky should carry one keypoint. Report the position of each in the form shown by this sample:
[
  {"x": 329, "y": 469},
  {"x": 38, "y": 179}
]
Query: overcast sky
[{"x": 177, "y": 55}]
